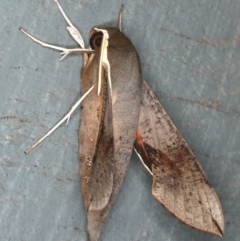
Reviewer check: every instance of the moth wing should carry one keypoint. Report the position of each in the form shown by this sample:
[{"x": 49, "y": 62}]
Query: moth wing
[
  {"x": 96, "y": 154},
  {"x": 102, "y": 170},
  {"x": 108, "y": 127},
  {"x": 179, "y": 182},
  {"x": 95, "y": 141}
]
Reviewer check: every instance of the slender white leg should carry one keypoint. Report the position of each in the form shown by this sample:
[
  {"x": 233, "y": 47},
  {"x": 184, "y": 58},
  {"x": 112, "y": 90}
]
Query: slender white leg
[
  {"x": 65, "y": 51},
  {"x": 71, "y": 29},
  {"x": 66, "y": 117}
]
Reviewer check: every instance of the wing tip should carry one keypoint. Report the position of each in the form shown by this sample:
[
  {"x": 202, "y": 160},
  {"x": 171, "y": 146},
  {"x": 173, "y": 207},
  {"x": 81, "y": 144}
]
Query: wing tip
[
  {"x": 95, "y": 225},
  {"x": 217, "y": 229},
  {"x": 220, "y": 227}
]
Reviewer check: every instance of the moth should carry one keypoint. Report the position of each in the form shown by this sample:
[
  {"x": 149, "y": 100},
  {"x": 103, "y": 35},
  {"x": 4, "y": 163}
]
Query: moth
[{"x": 120, "y": 113}]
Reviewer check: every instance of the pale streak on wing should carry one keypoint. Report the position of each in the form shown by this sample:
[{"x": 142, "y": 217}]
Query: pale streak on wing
[
  {"x": 102, "y": 177},
  {"x": 179, "y": 182}
]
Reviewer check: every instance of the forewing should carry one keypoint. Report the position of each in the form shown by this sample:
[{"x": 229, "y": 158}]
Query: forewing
[
  {"x": 95, "y": 140},
  {"x": 102, "y": 176},
  {"x": 102, "y": 172},
  {"x": 96, "y": 149},
  {"x": 179, "y": 182},
  {"x": 108, "y": 127}
]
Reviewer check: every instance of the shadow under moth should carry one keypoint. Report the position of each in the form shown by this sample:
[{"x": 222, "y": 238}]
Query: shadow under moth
[{"x": 121, "y": 113}]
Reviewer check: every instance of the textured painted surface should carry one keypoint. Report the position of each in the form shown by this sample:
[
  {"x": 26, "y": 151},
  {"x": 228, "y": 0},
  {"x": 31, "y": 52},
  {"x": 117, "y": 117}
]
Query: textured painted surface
[{"x": 190, "y": 57}]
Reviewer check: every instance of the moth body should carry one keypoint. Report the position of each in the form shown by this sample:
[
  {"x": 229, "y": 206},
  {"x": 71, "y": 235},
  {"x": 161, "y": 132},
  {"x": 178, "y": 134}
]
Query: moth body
[
  {"x": 121, "y": 113},
  {"x": 111, "y": 121}
]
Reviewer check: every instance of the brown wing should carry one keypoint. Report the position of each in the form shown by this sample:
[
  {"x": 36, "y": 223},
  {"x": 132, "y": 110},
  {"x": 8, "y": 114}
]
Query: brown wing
[
  {"x": 108, "y": 126},
  {"x": 179, "y": 182}
]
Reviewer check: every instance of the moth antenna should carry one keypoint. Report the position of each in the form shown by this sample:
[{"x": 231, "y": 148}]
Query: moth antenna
[
  {"x": 71, "y": 29},
  {"x": 64, "y": 50},
  {"x": 120, "y": 18},
  {"x": 66, "y": 117}
]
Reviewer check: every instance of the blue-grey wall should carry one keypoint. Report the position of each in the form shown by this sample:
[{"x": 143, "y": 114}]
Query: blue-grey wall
[{"x": 190, "y": 55}]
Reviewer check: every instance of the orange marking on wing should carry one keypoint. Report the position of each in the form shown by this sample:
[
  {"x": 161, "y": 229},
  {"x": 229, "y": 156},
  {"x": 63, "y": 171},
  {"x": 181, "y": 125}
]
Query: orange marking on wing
[{"x": 141, "y": 143}]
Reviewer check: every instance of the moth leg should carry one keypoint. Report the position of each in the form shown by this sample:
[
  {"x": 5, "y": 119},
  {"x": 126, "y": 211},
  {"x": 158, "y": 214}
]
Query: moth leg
[
  {"x": 70, "y": 51},
  {"x": 71, "y": 29},
  {"x": 65, "y": 118},
  {"x": 120, "y": 18},
  {"x": 65, "y": 51}
]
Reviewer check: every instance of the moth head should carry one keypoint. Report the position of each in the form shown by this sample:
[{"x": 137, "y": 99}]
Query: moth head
[
  {"x": 96, "y": 36},
  {"x": 96, "y": 40}
]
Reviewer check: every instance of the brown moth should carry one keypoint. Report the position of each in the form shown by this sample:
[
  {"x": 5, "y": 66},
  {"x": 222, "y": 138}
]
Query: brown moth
[{"x": 122, "y": 115}]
